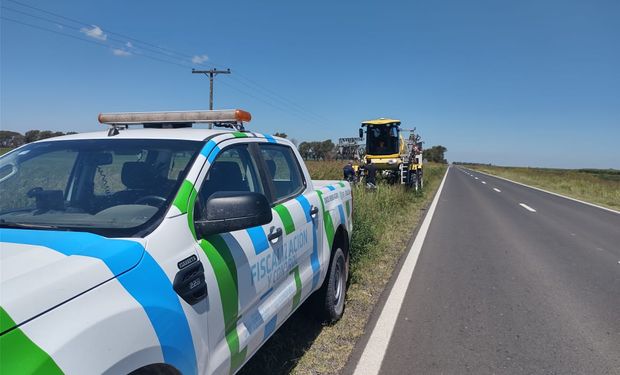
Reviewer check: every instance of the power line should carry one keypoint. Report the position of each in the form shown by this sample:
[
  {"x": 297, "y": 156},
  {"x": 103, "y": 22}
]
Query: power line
[
  {"x": 279, "y": 97},
  {"x": 89, "y": 40},
  {"x": 123, "y": 42},
  {"x": 261, "y": 100},
  {"x": 283, "y": 102},
  {"x": 129, "y": 38},
  {"x": 156, "y": 59},
  {"x": 170, "y": 53},
  {"x": 288, "y": 105}
]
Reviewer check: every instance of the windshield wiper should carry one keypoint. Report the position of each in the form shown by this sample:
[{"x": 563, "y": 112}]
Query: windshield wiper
[{"x": 10, "y": 224}]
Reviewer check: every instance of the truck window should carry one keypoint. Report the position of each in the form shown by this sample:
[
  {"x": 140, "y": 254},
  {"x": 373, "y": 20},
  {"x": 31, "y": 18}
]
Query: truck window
[
  {"x": 50, "y": 172},
  {"x": 112, "y": 187},
  {"x": 168, "y": 166},
  {"x": 108, "y": 177},
  {"x": 283, "y": 170},
  {"x": 234, "y": 169}
]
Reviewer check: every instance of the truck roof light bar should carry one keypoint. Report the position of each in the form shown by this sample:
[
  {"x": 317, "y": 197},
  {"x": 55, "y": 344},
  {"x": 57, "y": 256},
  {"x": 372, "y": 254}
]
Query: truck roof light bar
[{"x": 231, "y": 118}]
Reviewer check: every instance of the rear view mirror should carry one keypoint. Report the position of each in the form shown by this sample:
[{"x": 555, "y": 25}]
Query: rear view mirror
[
  {"x": 102, "y": 158},
  {"x": 228, "y": 211},
  {"x": 361, "y": 133}
]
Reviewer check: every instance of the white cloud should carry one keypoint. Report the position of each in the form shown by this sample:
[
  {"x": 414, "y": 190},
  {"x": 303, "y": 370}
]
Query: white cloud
[
  {"x": 120, "y": 52},
  {"x": 200, "y": 59},
  {"x": 94, "y": 32},
  {"x": 60, "y": 26},
  {"x": 128, "y": 45}
]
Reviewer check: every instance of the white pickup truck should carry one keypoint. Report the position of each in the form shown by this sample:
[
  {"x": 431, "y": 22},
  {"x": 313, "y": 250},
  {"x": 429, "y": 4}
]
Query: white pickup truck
[{"x": 163, "y": 249}]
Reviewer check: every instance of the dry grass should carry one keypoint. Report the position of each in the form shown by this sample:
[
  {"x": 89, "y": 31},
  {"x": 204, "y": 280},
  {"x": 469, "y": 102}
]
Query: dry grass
[
  {"x": 383, "y": 221},
  {"x": 592, "y": 185}
]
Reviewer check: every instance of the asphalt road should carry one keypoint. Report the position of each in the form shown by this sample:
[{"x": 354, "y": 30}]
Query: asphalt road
[{"x": 511, "y": 280}]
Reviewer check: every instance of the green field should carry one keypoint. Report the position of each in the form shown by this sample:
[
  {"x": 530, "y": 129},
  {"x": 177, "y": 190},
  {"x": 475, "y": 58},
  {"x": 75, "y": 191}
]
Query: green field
[
  {"x": 383, "y": 223},
  {"x": 4, "y": 150},
  {"x": 600, "y": 186}
]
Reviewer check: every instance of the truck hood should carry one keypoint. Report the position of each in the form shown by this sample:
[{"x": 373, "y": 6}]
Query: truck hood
[{"x": 41, "y": 269}]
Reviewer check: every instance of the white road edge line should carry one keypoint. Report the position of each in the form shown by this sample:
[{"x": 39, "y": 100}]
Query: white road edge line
[
  {"x": 556, "y": 194},
  {"x": 374, "y": 352},
  {"x": 527, "y": 207},
  {"x": 497, "y": 190}
]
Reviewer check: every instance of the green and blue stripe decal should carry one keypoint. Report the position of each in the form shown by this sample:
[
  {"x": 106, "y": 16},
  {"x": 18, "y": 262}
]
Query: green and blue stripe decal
[
  {"x": 118, "y": 255},
  {"x": 184, "y": 201},
  {"x": 148, "y": 284},
  {"x": 206, "y": 149},
  {"x": 259, "y": 239},
  {"x": 342, "y": 216},
  {"x": 213, "y": 155},
  {"x": 297, "y": 296},
  {"x": 223, "y": 263},
  {"x": 19, "y": 354},
  {"x": 270, "y": 327},
  {"x": 327, "y": 220},
  {"x": 287, "y": 219},
  {"x": 314, "y": 257}
]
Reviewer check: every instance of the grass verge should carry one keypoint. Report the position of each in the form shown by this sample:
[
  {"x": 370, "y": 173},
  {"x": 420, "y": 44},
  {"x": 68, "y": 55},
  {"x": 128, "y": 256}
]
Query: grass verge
[
  {"x": 383, "y": 222},
  {"x": 598, "y": 186}
]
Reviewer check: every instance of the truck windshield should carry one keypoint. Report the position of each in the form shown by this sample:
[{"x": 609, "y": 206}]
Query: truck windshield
[
  {"x": 112, "y": 187},
  {"x": 382, "y": 140}
]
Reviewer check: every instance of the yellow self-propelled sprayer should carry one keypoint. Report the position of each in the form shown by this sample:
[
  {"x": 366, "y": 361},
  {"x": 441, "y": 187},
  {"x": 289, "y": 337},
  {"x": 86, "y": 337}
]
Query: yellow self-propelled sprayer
[{"x": 398, "y": 158}]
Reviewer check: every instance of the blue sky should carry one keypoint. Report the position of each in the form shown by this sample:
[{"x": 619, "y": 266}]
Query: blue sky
[{"x": 532, "y": 83}]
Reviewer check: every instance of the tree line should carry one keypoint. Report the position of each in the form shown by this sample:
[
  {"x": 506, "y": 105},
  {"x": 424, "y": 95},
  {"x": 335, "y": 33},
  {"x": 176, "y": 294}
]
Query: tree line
[
  {"x": 327, "y": 150},
  {"x": 309, "y": 150},
  {"x": 435, "y": 154},
  {"x": 11, "y": 139},
  {"x": 317, "y": 150}
]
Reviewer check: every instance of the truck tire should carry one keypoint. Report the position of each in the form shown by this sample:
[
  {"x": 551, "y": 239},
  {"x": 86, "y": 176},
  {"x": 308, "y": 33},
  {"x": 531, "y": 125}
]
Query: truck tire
[
  {"x": 156, "y": 369},
  {"x": 330, "y": 299}
]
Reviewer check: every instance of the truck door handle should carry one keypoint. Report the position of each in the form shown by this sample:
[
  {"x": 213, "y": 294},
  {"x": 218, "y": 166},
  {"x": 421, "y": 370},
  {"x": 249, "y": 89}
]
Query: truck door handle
[
  {"x": 190, "y": 284},
  {"x": 314, "y": 210},
  {"x": 274, "y": 234}
]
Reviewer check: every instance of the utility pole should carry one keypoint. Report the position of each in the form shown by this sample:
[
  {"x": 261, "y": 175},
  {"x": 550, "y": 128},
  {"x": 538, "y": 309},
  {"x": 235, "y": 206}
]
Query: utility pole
[{"x": 211, "y": 73}]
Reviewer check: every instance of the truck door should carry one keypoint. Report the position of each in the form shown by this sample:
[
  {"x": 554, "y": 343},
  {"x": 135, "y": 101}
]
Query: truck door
[
  {"x": 234, "y": 320},
  {"x": 298, "y": 210}
]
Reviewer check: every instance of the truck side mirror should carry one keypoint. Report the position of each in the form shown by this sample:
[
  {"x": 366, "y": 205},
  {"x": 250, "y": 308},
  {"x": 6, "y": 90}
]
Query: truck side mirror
[
  {"x": 361, "y": 133},
  {"x": 228, "y": 211}
]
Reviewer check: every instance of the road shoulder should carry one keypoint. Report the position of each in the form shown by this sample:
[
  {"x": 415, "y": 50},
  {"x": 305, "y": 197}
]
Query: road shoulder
[{"x": 377, "y": 312}]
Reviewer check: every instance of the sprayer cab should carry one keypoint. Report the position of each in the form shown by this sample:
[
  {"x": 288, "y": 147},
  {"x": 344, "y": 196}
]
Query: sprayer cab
[{"x": 398, "y": 159}]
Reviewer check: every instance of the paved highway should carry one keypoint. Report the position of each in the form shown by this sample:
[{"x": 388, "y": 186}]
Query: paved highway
[{"x": 509, "y": 280}]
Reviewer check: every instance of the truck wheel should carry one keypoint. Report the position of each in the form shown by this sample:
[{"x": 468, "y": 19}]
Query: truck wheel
[
  {"x": 156, "y": 369},
  {"x": 331, "y": 297}
]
